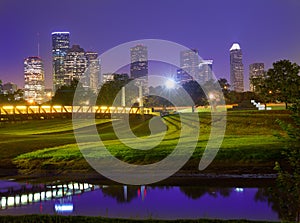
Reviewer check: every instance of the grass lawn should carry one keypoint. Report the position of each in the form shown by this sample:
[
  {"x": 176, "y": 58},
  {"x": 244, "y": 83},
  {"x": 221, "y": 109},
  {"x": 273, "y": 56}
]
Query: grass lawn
[
  {"x": 50, "y": 144},
  {"x": 27, "y": 136}
]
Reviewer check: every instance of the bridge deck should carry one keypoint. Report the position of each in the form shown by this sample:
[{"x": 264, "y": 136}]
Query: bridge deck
[{"x": 8, "y": 113}]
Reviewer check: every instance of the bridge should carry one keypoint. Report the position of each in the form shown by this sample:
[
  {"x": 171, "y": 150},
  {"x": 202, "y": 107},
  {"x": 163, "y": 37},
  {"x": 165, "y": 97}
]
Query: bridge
[
  {"x": 27, "y": 194},
  {"x": 22, "y": 194},
  {"x": 15, "y": 113}
]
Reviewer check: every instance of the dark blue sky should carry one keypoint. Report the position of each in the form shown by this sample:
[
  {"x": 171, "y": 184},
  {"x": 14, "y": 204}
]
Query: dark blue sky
[{"x": 267, "y": 30}]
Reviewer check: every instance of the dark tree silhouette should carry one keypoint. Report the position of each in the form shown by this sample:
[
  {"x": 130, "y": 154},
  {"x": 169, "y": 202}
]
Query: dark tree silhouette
[{"x": 281, "y": 82}]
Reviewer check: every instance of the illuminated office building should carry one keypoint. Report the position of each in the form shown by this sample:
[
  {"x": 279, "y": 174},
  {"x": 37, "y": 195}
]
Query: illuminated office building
[
  {"x": 255, "y": 70},
  {"x": 189, "y": 62},
  {"x": 107, "y": 77},
  {"x": 139, "y": 61},
  {"x": 139, "y": 66},
  {"x": 60, "y": 47},
  {"x": 236, "y": 68},
  {"x": 205, "y": 71},
  {"x": 93, "y": 77},
  {"x": 75, "y": 65},
  {"x": 34, "y": 80},
  {"x": 193, "y": 67}
]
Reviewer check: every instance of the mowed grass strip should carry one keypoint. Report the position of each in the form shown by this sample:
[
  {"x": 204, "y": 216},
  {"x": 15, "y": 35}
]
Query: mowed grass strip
[
  {"x": 250, "y": 138},
  {"x": 22, "y": 137}
]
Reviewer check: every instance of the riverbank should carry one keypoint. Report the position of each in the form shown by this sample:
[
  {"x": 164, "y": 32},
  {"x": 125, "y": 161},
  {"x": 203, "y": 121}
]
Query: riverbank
[
  {"x": 250, "y": 145},
  {"x": 74, "y": 219}
]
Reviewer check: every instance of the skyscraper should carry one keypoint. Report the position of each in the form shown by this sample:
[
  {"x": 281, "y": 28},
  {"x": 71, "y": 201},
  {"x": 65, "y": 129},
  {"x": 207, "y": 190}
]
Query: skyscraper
[
  {"x": 189, "y": 62},
  {"x": 75, "y": 65},
  {"x": 139, "y": 66},
  {"x": 236, "y": 68},
  {"x": 205, "y": 71},
  {"x": 139, "y": 61},
  {"x": 34, "y": 80},
  {"x": 93, "y": 71},
  {"x": 60, "y": 47},
  {"x": 255, "y": 70}
]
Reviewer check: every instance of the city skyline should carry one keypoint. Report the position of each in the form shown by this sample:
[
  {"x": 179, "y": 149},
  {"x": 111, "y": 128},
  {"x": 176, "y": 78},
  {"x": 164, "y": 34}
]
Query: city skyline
[{"x": 264, "y": 36}]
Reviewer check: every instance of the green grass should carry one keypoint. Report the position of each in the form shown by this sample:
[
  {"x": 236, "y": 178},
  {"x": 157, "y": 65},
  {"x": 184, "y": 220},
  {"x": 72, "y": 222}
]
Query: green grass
[
  {"x": 249, "y": 140},
  {"x": 23, "y": 137},
  {"x": 35, "y": 127}
]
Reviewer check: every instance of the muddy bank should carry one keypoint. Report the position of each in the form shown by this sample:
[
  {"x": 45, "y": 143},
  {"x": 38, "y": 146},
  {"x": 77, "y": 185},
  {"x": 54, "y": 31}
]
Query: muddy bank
[{"x": 230, "y": 178}]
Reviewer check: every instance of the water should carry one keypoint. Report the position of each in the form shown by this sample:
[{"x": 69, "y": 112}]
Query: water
[{"x": 164, "y": 202}]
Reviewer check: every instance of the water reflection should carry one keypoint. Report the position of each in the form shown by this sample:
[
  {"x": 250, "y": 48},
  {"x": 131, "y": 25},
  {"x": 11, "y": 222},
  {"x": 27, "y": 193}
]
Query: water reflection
[
  {"x": 196, "y": 192},
  {"x": 282, "y": 202},
  {"x": 124, "y": 194},
  {"x": 14, "y": 194},
  {"x": 163, "y": 202}
]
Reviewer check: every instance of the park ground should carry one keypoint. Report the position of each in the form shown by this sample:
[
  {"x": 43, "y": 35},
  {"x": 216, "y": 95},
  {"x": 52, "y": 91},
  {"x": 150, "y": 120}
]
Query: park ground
[{"x": 252, "y": 144}]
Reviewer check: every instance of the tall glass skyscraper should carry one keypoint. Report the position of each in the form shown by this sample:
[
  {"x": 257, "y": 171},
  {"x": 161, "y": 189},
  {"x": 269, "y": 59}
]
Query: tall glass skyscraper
[
  {"x": 192, "y": 65},
  {"x": 236, "y": 68},
  {"x": 139, "y": 61},
  {"x": 205, "y": 71},
  {"x": 189, "y": 62},
  {"x": 139, "y": 66},
  {"x": 34, "y": 80},
  {"x": 60, "y": 47},
  {"x": 93, "y": 71},
  {"x": 255, "y": 70},
  {"x": 75, "y": 64}
]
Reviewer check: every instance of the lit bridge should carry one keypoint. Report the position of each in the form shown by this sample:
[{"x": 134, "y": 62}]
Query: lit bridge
[
  {"x": 27, "y": 194},
  {"x": 15, "y": 113}
]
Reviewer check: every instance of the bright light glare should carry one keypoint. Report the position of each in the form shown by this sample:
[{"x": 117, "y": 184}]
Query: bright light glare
[
  {"x": 239, "y": 189},
  {"x": 170, "y": 84},
  {"x": 63, "y": 207}
]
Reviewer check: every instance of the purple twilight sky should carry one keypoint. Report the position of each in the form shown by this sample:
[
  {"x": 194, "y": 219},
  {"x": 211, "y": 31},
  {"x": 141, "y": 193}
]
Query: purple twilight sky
[{"x": 267, "y": 30}]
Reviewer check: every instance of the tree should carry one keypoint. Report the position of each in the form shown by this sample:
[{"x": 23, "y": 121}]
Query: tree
[
  {"x": 284, "y": 81},
  {"x": 196, "y": 92},
  {"x": 65, "y": 94},
  {"x": 288, "y": 179},
  {"x": 108, "y": 94},
  {"x": 262, "y": 87},
  {"x": 225, "y": 86}
]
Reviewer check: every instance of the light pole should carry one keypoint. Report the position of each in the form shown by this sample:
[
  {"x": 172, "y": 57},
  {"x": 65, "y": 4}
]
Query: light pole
[
  {"x": 212, "y": 99},
  {"x": 123, "y": 104}
]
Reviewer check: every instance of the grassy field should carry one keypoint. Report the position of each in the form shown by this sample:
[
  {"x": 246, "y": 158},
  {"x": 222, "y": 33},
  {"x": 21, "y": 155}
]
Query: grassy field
[{"x": 250, "y": 143}]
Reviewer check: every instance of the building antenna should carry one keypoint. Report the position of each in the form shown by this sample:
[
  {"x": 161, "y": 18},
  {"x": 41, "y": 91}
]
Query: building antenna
[{"x": 38, "y": 44}]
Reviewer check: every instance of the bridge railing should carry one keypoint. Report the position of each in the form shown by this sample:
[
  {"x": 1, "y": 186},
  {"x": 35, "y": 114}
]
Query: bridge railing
[
  {"x": 47, "y": 109},
  {"x": 21, "y": 112}
]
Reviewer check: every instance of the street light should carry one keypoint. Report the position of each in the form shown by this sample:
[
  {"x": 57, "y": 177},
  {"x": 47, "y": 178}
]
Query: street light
[
  {"x": 211, "y": 96},
  {"x": 170, "y": 84}
]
